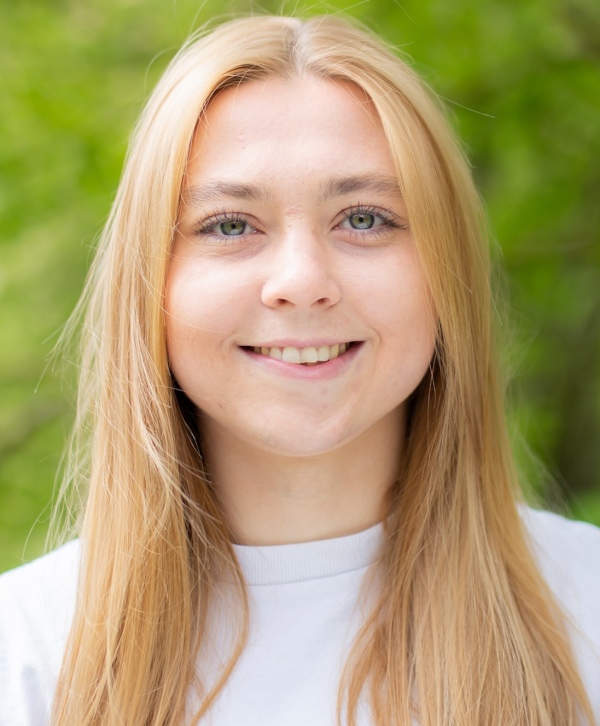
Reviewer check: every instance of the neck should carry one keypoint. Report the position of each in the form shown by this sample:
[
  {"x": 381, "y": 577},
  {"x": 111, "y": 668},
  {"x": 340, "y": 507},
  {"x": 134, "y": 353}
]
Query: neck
[{"x": 269, "y": 498}]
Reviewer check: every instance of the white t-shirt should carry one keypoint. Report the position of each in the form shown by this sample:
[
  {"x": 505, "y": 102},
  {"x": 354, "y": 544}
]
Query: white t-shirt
[{"x": 304, "y": 615}]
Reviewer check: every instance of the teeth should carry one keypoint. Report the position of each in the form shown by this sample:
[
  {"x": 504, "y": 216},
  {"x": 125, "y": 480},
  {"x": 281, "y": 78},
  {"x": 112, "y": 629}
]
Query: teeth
[
  {"x": 323, "y": 353},
  {"x": 307, "y": 356},
  {"x": 291, "y": 355}
]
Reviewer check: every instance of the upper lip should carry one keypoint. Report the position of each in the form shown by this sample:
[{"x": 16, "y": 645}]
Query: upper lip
[{"x": 294, "y": 343}]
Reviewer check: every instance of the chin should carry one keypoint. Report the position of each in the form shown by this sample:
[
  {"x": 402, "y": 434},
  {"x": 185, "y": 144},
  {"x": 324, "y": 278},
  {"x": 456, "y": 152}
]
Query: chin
[{"x": 304, "y": 443}]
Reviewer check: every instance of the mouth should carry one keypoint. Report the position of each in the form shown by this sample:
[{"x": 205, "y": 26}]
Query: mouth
[{"x": 309, "y": 356}]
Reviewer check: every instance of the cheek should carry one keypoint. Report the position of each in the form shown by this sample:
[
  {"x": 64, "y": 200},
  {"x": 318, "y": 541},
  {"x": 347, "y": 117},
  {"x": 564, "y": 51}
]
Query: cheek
[
  {"x": 404, "y": 314},
  {"x": 396, "y": 293},
  {"x": 205, "y": 308},
  {"x": 199, "y": 301},
  {"x": 192, "y": 313}
]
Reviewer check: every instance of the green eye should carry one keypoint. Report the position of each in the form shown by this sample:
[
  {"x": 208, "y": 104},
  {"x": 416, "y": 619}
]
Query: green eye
[
  {"x": 362, "y": 220},
  {"x": 232, "y": 228}
]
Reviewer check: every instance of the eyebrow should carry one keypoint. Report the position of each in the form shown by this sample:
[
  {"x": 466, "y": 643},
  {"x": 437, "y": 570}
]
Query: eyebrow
[
  {"x": 378, "y": 183},
  {"x": 213, "y": 191}
]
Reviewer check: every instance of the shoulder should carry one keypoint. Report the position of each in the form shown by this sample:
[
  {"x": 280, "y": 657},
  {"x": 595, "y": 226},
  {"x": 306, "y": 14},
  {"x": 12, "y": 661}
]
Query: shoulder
[
  {"x": 43, "y": 587},
  {"x": 567, "y": 552},
  {"x": 61, "y": 560},
  {"x": 37, "y": 602},
  {"x": 568, "y": 555}
]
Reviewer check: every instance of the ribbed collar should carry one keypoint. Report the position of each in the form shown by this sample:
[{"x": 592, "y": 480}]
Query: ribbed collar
[{"x": 281, "y": 564}]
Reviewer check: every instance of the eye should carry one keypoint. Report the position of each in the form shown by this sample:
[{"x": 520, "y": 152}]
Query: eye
[
  {"x": 231, "y": 227},
  {"x": 366, "y": 223},
  {"x": 222, "y": 227},
  {"x": 362, "y": 220}
]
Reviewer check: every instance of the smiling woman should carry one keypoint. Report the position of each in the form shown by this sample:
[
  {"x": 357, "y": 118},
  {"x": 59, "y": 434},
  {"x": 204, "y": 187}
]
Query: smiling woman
[
  {"x": 301, "y": 505},
  {"x": 322, "y": 270}
]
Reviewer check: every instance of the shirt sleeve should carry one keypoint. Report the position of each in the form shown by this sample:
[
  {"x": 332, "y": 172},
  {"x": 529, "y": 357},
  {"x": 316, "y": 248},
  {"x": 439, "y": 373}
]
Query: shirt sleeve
[
  {"x": 568, "y": 554},
  {"x": 36, "y": 610}
]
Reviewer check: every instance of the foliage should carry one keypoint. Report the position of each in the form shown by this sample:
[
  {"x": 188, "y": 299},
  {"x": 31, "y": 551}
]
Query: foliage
[{"x": 523, "y": 87}]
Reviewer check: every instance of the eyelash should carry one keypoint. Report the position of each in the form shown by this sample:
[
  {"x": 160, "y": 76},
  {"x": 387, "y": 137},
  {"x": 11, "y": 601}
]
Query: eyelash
[
  {"x": 388, "y": 219},
  {"x": 205, "y": 227}
]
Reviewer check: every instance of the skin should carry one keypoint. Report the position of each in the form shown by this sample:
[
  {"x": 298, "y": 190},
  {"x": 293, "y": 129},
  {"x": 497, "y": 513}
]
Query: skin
[{"x": 296, "y": 453}]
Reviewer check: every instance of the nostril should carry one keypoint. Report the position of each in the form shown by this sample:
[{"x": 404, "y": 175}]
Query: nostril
[{"x": 289, "y": 286}]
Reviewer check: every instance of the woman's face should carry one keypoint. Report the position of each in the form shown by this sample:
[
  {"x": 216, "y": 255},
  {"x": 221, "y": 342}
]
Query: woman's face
[{"x": 297, "y": 314}]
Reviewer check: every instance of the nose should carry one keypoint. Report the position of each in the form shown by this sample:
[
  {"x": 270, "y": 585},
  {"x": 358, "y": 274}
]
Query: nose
[{"x": 301, "y": 274}]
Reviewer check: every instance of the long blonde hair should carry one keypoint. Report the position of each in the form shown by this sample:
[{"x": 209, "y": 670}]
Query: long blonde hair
[{"x": 467, "y": 632}]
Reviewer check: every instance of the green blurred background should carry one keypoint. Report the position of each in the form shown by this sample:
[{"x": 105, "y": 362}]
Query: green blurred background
[{"x": 522, "y": 82}]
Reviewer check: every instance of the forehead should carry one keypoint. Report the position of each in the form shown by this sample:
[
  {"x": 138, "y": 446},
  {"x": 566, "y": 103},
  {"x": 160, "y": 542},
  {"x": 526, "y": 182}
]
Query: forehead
[{"x": 275, "y": 128}]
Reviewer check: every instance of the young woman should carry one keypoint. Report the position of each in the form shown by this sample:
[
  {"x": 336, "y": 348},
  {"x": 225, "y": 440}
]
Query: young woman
[{"x": 301, "y": 506}]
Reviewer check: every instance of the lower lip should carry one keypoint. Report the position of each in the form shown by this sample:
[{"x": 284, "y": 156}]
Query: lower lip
[{"x": 321, "y": 372}]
